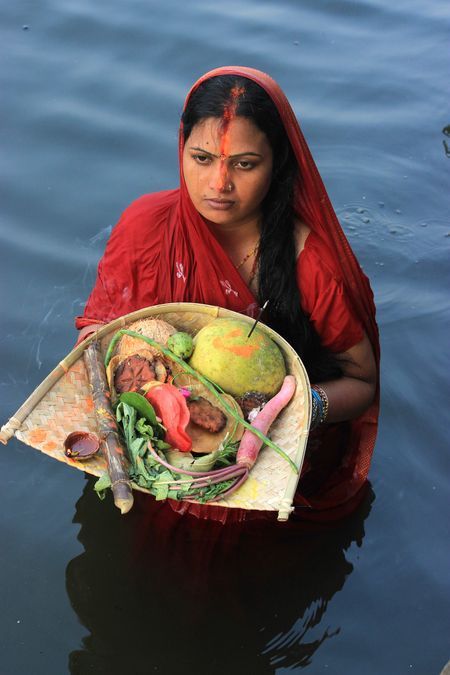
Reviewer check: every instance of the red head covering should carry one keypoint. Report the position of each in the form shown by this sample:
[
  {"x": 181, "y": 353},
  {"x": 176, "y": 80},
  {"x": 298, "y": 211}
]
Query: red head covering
[
  {"x": 313, "y": 204},
  {"x": 180, "y": 259}
]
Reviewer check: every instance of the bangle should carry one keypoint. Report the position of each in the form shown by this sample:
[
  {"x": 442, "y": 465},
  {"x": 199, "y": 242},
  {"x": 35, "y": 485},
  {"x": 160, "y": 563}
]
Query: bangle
[
  {"x": 317, "y": 409},
  {"x": 318, "y": 394}
]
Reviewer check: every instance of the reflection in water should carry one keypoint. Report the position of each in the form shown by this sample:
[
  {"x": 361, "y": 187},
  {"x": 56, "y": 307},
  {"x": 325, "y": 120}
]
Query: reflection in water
[{"x": 162, "y": 592}]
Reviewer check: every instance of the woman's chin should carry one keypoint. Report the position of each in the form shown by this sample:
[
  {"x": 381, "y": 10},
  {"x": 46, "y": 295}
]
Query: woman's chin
[{"x": 218, "y": 217}]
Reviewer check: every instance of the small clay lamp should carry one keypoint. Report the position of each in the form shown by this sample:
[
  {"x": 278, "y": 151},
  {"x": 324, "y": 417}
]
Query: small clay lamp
[{"x": 81, "y": 445}]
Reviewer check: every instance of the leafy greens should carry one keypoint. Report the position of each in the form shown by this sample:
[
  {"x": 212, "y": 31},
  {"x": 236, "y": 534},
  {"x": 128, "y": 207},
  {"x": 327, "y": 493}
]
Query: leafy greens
[{"x": 139, "y": 425}]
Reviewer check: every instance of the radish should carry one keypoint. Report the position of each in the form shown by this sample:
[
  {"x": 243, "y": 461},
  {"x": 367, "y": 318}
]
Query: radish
[{"x": 250, "y": 444}]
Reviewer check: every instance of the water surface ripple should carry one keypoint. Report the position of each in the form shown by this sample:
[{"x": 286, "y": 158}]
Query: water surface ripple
[{"x": 92, "y": 94}]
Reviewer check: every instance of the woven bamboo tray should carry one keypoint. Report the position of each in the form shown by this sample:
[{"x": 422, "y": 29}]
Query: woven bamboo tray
[{"x": 62, "y": 403}]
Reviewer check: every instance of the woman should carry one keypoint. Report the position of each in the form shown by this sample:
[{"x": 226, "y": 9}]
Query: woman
[{"x": 250, "y": 223}]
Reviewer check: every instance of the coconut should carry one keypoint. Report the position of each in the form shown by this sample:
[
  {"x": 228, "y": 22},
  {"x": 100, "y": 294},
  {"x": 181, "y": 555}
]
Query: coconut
[
  {"x": 224, "y": 354},
  {"x": 156, "y": 329}
]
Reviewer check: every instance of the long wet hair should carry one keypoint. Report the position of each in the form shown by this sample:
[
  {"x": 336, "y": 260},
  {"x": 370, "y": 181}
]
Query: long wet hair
[{"x": 277, "y": 250}]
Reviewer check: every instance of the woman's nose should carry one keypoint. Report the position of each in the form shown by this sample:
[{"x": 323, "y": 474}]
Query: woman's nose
[{"x": 220, "y": 178}]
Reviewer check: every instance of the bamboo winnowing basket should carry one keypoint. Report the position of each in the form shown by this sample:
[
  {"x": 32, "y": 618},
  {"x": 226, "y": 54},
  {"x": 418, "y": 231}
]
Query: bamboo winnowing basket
[{"x": 62, "y": 403}]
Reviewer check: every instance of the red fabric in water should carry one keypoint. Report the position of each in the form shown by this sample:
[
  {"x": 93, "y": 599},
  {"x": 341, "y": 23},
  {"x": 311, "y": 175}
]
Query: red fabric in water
[{"x": 163, "y": 251}]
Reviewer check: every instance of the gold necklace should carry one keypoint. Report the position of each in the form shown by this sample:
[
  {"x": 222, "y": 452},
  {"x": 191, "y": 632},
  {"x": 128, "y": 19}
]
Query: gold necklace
[{"x": 247, "y": 256}]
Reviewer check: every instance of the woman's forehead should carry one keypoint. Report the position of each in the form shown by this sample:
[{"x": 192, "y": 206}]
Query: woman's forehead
[{"x": 243, "y": 135}]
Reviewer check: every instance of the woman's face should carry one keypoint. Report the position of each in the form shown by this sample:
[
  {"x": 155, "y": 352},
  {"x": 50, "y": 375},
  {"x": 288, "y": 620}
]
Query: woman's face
[{"x": 228, "y": 170}]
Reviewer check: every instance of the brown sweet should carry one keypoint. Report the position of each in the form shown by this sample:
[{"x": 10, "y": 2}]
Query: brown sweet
[
  {"x": 133, "y": 373},
  {"x": 206, "y": 415}
]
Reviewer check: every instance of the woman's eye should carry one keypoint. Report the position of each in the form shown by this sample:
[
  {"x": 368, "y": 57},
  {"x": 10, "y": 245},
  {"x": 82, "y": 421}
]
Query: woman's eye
[
  {"x": 201, "y": 159},
  {"x": 244, "y": 164}
]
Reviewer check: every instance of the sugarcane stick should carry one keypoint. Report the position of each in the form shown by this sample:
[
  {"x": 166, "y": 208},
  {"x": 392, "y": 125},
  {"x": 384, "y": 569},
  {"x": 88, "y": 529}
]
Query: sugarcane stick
[{"x": 107, "y": 428}]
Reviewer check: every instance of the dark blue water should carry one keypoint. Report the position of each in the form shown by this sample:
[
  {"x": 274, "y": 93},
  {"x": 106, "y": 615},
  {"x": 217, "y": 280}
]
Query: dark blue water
[{"x": 91, "y": 97}]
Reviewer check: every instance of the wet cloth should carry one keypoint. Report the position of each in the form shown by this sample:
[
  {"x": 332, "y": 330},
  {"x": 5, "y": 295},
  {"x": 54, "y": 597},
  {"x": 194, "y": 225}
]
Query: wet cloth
[{"x": 162, "y": 250}]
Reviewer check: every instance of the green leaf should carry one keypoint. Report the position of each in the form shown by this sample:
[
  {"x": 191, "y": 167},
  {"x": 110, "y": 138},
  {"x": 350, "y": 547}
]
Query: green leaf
[
  {"x": 214, "y": 491},
  {"x": 181, "y": 460},
  {"x": 184, "y": 488},
  {"x": 161, "y": 485},
  {"x": 227, "y": 454},
  {"x": 139, "y": 403},
  {"x": 161, "y": 493},
  {"x": 141, "y": 469},
  {"x": 102, "y": 484},
  {"x": 205, "y": 462},
  {"x": 151, "y": 464},
  {"x": 165, "y": 477},
  {"x": 143, "y": 428},
  {"x": 187, "y": 461},
  {"x": 141, "y": 481},
  {"x": 135, "y": 448},
  {"x": 162, "y": 445},
  {"x": 128, "y": 420}
]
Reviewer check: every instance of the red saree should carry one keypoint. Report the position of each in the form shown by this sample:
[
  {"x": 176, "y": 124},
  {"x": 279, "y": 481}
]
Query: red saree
[{"x": 163, "y": 251}]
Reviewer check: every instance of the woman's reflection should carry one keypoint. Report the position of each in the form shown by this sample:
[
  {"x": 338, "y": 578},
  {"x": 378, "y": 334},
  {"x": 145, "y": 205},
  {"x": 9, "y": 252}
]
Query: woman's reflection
[{"x": 165, "y": 593}]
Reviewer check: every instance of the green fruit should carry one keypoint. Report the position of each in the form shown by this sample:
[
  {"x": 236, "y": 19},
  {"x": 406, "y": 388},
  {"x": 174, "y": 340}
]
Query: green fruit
[
  {"x": 181, "y": 344},
  {"x": 238, "y": 364}
]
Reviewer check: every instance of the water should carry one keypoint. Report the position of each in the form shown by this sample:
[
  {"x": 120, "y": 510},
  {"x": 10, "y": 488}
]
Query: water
[{"x": 91, "y": 99}]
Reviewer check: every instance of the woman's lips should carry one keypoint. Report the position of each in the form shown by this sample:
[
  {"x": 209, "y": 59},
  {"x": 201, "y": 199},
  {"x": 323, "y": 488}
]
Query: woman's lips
[{"x": 220, "y": 204}]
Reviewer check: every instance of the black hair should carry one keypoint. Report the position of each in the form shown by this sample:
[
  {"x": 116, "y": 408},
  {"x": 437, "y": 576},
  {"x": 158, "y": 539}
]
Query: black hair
[{"x": 277, "y": 250}]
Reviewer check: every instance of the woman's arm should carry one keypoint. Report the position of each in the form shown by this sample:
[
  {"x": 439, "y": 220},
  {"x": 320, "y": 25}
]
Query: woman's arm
[{"x": 353, "y": 393}]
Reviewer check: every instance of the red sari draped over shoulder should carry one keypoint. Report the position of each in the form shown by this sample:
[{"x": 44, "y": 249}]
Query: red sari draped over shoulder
[{"x": 162, "y": 250}]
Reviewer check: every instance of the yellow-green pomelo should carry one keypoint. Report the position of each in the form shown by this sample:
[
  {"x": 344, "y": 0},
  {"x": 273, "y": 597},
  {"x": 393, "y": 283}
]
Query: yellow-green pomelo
[{"x": 238, "y": 364}]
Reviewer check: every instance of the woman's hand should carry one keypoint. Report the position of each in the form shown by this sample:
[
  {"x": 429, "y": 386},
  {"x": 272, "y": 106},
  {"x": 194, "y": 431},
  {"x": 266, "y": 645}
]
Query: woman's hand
[
  {"x": 88, "y": 330},
  {"x": 353, "y": 393}
]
